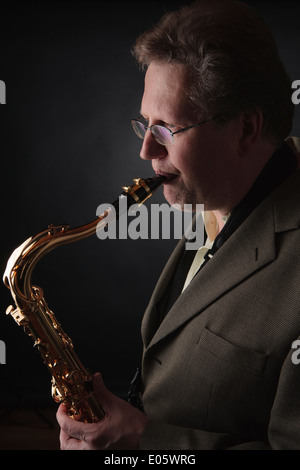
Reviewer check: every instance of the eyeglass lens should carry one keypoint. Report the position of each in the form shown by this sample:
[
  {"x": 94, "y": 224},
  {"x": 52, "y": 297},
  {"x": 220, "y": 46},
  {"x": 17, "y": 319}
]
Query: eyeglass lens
[{"x": 161, "y": 134}]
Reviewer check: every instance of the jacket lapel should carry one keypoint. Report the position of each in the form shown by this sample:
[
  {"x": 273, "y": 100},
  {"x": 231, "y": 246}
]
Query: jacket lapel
[
  {"x": 151, "y": 317},
  {"x": 246, "y": 251}
]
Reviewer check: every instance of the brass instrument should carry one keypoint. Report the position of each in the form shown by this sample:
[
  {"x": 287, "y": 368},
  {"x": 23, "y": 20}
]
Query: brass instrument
[{"x": 71, "y": 381}]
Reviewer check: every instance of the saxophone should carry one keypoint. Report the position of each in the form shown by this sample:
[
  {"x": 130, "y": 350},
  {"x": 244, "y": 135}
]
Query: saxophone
[{"x": 71, "y": 381}]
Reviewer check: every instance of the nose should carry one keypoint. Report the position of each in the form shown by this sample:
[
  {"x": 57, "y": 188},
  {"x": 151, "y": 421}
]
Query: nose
[{"x": 152, "y": 149}]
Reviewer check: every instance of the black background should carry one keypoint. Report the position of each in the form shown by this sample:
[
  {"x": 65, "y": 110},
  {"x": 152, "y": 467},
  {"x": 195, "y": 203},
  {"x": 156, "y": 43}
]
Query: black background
[{"x": 67, "y": 146}]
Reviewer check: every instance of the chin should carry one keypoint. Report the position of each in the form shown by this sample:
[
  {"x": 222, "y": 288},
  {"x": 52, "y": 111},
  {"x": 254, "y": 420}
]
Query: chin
[
  {"x": 172, "y": 197},
  {"x": 181, "y": 197}
]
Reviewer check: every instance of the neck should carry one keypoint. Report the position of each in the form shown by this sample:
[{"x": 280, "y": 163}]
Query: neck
[
  {"x": 221, "y": 218},
  {"x": 214, "y": 222},
  {"x": 248, "y": 168}
]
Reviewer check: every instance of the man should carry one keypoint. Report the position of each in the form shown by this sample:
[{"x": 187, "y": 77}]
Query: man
[{"x": 217, "y": 369}]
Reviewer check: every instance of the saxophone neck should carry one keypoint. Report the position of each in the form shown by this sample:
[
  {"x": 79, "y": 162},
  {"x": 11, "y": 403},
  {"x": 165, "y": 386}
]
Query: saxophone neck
[{"x": 22, "y": 261}]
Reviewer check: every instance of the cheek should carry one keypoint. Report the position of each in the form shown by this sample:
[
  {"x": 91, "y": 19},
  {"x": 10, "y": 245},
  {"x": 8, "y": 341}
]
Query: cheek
[
  {"x": 203, "y": 154},
  {"x": 187, "y": 158},
  {"x": 191, "y": 162}
]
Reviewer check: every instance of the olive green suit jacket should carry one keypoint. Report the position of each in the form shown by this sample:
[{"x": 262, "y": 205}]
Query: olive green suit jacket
[{"x": 218, "y": 372}]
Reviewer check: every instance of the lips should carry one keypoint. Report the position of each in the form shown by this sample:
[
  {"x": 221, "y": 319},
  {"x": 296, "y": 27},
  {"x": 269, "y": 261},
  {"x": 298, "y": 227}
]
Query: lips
[{"x": 169, "y": 176}]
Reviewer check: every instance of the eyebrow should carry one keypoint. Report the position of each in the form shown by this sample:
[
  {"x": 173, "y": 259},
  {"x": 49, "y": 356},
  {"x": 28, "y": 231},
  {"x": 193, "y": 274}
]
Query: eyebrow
[
  {"x": 142, "y": 116},
  {"x": 164, "y": 122}
]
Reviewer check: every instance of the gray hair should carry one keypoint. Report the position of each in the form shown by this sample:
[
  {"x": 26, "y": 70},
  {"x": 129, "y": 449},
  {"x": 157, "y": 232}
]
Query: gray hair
[{"x": 232, "y": 61}]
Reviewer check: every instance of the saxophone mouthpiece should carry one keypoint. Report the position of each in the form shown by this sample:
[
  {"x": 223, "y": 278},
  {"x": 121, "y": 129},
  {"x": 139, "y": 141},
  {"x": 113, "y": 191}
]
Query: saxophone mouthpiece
[
  {"x": 142, "y": 189},
  {"x": 156, "y": 181}
]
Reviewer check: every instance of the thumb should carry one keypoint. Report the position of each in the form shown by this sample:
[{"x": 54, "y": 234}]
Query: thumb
[{"x": 102, "y": 394}]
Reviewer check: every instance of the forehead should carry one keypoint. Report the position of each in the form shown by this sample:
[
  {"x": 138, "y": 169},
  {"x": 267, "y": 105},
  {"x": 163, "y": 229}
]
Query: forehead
[{"x": 165, "y": 93}]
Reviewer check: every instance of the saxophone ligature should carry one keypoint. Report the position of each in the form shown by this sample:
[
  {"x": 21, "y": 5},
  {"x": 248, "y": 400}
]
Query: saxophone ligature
[{"x": 71, "y": 381}]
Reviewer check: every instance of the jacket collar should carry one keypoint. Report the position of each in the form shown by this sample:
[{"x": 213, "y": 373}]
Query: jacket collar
[{"x": 280, "y": 166}]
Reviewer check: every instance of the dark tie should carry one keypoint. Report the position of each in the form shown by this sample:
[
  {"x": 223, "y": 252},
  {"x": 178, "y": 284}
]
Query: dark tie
[{"x": 178, "y": 281}]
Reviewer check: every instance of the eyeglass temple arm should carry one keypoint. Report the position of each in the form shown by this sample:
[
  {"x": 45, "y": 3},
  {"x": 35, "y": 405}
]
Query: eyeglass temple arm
[{"x": 190, "y": 127}]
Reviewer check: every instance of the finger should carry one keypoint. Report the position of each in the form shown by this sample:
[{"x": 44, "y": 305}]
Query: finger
[
  {"x": 62, "y": 414},
  {"x": 69, "y": 443},
  {"x": 98, "y": 382},
  {"x": 102, "y": 394},
  {"x": 71, "y": 427}
]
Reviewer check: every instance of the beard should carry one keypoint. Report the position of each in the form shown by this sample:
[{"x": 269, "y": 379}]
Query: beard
[{"x": 181, "y": 196}]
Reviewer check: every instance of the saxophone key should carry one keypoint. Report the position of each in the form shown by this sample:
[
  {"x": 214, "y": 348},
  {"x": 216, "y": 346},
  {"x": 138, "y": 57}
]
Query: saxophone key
[{"x": 17, "y": 315}]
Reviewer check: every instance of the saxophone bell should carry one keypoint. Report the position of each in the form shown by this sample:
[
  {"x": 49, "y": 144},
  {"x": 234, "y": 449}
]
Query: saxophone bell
[{"x": 71, "y": 381}]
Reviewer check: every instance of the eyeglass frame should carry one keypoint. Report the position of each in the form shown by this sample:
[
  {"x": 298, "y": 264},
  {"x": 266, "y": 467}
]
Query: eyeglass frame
[{"x": 171, "y": 132}]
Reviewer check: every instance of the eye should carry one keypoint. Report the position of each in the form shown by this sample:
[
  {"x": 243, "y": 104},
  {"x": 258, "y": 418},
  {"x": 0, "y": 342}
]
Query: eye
[
  {"x": 143, "y": 120},
  {"x": 172, "y": 127}
]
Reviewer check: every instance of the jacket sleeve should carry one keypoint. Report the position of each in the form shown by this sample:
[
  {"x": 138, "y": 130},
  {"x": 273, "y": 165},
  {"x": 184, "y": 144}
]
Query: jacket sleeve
[{"x": 283, "y": 432}]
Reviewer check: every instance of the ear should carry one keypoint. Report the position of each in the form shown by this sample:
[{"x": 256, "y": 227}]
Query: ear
[{"x": 251, "y": 129}]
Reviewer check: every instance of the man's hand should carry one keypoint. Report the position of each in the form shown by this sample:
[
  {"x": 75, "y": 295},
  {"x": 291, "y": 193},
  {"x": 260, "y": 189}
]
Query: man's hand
[{"x": 121, "y": 428}]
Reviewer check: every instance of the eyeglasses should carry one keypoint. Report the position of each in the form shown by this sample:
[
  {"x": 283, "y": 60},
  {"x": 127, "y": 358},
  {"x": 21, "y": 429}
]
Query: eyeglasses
[{"x": 161, "y": 134}]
